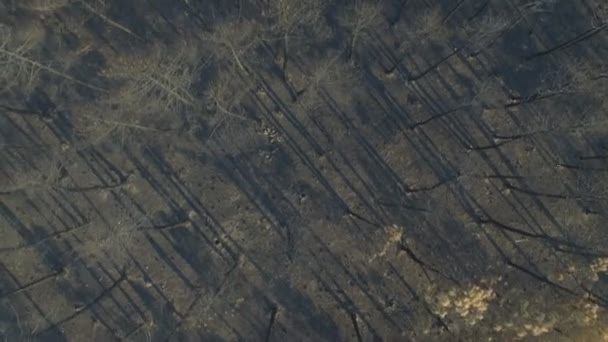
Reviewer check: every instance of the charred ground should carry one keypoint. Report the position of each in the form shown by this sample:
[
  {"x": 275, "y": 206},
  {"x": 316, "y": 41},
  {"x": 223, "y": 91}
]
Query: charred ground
[{"x": 303, "y": 170}]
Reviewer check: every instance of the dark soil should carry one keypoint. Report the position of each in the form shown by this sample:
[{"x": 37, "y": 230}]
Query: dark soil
[{"x": 303, "y": 170}]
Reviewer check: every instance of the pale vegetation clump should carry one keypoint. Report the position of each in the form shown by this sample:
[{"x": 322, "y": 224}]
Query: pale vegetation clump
[
  {"x": 535, "y": 317},
  {"x": 394, "y": 236},
  {"x": 469, "y": 303},
  {"x": 598, "y": 266},
  {"x": 588, "y": 273},
  {"x": 534, "y": 328},
  {"x": 524, "y": 324},
  {"x": 532, "y": 320}
]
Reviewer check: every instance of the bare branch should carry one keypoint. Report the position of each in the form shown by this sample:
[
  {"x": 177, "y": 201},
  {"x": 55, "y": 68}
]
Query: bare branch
[
  {"x": 156, "y": 81},
  {"x": 233, "y": 40},
  {"x": 109, "y": 21},
  {"x": 358, "y": 18},
  {"x": 18, "y": 64}
]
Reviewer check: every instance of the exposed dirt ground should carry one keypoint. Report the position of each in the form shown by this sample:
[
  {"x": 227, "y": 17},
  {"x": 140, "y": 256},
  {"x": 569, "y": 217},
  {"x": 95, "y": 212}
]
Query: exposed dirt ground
[{"x": 303, "y": 170}]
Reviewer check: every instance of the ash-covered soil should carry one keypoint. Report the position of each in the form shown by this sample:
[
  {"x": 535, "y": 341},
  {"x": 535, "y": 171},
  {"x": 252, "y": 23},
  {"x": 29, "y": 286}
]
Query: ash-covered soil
[{"x": 303, "y": 170}]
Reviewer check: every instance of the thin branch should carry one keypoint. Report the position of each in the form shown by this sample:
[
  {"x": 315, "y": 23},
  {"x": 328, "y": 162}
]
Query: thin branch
[
  {"x": 110, "y": 21},
  {"x": 170, "y": 91},
  {"x": 49, "y": 69}
]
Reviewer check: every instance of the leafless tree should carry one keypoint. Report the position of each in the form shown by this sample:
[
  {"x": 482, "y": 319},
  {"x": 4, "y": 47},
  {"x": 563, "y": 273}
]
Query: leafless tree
[
  {"x": 359, "y": 17},
  {"x": 574, "y": 78},
  {"x": 325, "y": 75},
  {"x": 428, "y": 28},
  {"x": 225, "y": 96},
  {"x": 579, "y": 76},
  {"x": 19, "y": 64},
  {"x": 429, "y": 25},
  {"x": 160, "y": 79},
  {"x": 292, "y": 19},
  {"x": 232, "y": 40},
  {"x": 486, "y": 31}
]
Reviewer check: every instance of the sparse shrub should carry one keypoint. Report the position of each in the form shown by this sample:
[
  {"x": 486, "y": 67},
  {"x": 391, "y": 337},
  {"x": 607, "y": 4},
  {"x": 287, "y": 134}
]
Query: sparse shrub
[{"x": 469, "y": 303}]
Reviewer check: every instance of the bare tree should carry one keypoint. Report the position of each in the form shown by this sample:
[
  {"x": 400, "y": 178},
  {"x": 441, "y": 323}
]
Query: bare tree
[
  {"x": 574, "y": 78},
  {"x": 232, "y": 40},
  {"x": 579, "y": 76},
  {"x": 360, "y": 17},
  {"x": 325, "y": 75},
  {"x": 156, "y": 81},
  {"x": 428, "y": 27},
  {"x": 599, "y": 23},
  {"x": 17, "y": 67},
  {"x": 152, "y": 88},
  {"x": 293, "y": 18},
  {"x": 486, "y": 31},
  {"x": 225, "y": 96},
  {"x": 94, "y": 127},
  {"x": 19, "y": 64}
]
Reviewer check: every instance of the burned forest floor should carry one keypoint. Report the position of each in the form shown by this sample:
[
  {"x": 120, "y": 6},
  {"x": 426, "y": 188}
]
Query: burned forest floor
[{"x": 303, "y": 170}]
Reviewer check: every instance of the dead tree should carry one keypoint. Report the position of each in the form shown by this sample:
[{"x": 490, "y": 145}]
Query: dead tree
[
  {"x": 326, "y": 74},
  {"x": 293, "y": 19},
  {"x": 487, "y": 31},
  {"x": 360, "y": 17},
  {"x": 430, "y": 28},
  {"x": 225, "y": 96},
  {"x": 19, "y": 65},
  {"x": 160, "y": 81},
  {"x": 233, "y": 40}
]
